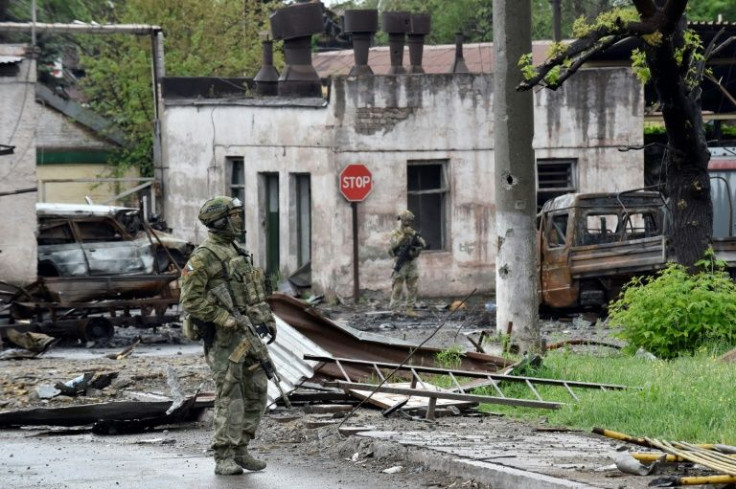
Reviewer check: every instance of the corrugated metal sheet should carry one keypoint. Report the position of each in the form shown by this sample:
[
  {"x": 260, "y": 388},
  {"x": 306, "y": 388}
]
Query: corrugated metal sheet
[
  {"x": 287, "y": 353},
  {"x": 10, "y": 60}
]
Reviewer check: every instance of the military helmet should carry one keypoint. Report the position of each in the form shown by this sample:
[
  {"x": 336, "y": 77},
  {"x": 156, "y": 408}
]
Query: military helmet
[
  {"x": 214, "y": 212},
  {"x": 406, "y": 217}
]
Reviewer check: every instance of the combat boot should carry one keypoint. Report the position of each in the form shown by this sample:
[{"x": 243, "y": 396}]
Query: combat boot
[
  {"x": 246, "y": 460},
  {"x": 226, "y": 466}
]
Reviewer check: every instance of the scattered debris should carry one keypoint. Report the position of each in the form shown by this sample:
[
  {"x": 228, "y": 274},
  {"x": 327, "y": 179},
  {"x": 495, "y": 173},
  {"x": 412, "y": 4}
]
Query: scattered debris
[
  {"x": 34, "y": 342},
  {"x": 579, "y": 341},
  {"x": 75, "y": 386},
  {"x": 629, "y": 465},
  {"x": 393, "y": 470},
  {"x": 125, "y": 352}
]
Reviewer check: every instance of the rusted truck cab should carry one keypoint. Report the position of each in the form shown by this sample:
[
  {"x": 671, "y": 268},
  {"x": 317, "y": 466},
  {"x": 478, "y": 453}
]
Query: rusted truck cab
[{"x": 589, "y": 245}]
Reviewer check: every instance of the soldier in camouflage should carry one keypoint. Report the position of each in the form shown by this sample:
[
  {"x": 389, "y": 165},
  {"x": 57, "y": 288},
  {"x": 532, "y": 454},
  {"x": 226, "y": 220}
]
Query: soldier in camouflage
[
  {"x": 405, "y": 245},
  {"x": 240, "y": 389}
]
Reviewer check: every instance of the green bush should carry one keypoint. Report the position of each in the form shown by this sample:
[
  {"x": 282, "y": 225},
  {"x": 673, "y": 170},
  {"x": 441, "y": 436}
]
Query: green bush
[{"x": 674, "y": 312}]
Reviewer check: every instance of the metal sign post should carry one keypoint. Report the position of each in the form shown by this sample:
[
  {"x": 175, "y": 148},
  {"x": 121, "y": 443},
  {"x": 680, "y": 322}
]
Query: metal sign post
[{"x": 355, "y": 182}]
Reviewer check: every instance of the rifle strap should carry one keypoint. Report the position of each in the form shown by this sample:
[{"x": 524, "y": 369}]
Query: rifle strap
[{"x": 224, "y": 272}]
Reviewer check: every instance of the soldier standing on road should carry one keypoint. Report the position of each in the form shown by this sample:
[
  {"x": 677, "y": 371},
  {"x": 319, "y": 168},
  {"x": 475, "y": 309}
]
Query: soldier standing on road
[
  {"x": 405, "y": 245},
  {"x": 240, "y": 391}
]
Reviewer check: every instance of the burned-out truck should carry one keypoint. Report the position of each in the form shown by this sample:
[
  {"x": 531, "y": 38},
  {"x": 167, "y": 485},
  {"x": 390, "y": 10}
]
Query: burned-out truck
[{"x": 590, "y": 245}]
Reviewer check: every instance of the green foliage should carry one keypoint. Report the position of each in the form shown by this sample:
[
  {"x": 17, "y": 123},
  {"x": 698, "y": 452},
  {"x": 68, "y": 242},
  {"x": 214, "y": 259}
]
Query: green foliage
[
  {"x": 640, "y": 66},
  {"x": 201, "y": 39},
  {"x": 654, "y": 130},
  {"x": 553, "y": 75},
  {"x": 474, "y": 18},
  {"x": 675, "y": 313},
  {"x": 450, "y": 357},
  {"x": 527, "y": 66},
  {"x": 607, "y": 19},
  {"x": 686, "y": 398},
  {"x": 710, "y": 9}
]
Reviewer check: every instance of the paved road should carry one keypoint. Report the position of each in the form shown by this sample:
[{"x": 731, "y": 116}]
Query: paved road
[{"x": 85, "y": 461}]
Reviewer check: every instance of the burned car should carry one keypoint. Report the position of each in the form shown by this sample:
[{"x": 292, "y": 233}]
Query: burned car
[{"x": 92, "y": 251}]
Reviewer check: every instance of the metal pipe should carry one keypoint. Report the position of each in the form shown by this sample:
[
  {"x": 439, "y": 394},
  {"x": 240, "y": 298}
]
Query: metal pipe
[
  {"x": 33, "y": 23},
  {"x": 81, "y": 28}
]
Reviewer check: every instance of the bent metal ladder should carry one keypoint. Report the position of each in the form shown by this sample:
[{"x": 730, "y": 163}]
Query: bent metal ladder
[{"x": 460, "y": 393}]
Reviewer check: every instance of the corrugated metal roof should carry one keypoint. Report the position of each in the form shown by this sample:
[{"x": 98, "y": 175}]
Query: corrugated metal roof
[
  {"x": 10, "y": 60},
  {"x": 287, "y": 353}
]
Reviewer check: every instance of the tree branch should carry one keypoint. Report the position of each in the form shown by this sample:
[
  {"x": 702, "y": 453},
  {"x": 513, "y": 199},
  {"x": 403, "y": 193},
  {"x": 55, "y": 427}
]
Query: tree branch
[
  {"x": 721, "y": 47},
  {"x": 673, "y": 10},
  {"x": 723, "y": 89},
  {"x": 585, "y": 47},
  {"x": 580, "y": 60},
  {"x": 646, "y": 8}
]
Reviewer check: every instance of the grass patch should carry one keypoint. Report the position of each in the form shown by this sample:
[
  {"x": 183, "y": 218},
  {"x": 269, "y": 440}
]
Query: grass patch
[{"x": 685, "y": 399}]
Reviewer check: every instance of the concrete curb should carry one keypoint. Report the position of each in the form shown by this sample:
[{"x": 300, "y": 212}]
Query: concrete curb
[{"x": 495, "y": 475}]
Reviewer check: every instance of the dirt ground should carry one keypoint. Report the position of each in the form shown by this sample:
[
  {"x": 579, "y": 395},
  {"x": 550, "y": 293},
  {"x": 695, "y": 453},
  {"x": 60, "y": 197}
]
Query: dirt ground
[{"x": 305, "y": 431}]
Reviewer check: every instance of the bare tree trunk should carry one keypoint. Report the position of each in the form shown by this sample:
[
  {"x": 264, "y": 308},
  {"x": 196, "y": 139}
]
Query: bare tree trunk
[
  {"x": 687, "y": 156},
  {"x": 515, "y": 185}
]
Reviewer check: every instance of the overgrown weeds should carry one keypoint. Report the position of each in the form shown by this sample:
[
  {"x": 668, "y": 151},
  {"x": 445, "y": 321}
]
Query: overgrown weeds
[
  {"x": 675, "y": 312},
  {"x": 688, "y": 398}
]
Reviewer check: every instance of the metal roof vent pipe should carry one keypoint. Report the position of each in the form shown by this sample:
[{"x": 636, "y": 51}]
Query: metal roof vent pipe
[
  {"x": 421, "y": 25},
  {"x": 362, "y": 25},
  {"x": 397, "y": 25},
  {"x": 267, "y": 79},
  {"x": 295, "y": 25},
  {"x": 459, "y": 66}
]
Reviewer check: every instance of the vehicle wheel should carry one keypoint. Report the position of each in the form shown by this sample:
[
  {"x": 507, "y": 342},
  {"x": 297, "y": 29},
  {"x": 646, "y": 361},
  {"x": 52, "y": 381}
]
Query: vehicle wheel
[{"x": 98, "y": 329}]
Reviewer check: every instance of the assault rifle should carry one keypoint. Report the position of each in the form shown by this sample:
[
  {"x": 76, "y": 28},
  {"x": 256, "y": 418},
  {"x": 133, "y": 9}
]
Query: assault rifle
[
  {"x": 252, "y": 343},
  {"x": 403, "y": 252}
]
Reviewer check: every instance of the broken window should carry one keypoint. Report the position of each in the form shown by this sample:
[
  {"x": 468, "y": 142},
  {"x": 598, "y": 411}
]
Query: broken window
[
  {"x": 557, "y": 230},
  {"x": 555, "y": 177},
  {"x": 98, "y": 231},
  {"x": 55, "y": 234},
  {"x": 427, "y": 195},
  {"x": 612, "y": 227},
  {"x": 9, "y": 69},
  {"x": 236, "y": 170},
  {"x": 599, "y": 228},
  {"x": 641, "y": 225}
]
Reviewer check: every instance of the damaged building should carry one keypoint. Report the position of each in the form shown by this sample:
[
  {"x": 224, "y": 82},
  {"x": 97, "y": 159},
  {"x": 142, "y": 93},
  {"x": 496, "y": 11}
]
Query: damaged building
[{"x": 426, "y": 138}]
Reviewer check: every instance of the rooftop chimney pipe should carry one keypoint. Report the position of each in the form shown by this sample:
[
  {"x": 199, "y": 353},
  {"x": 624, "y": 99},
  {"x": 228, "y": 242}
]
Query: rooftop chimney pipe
[
  {"x": 421, "y": 25},
  {"x": 396, "y": 24},
  {"x": 362, "y": 24},
  {"x": 267, "y": 79},
  {"x": 295, "y": 25},
  {"x": 459, "y": 65}
]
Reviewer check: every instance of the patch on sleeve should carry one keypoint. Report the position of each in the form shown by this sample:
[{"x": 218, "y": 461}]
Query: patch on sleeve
[{"x": 194, "y": 263}]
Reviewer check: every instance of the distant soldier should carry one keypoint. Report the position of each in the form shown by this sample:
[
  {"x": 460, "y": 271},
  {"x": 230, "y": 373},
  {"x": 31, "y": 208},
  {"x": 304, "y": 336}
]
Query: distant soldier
[
  {"x": 405, "y": 246},
  {"x": 240, "y": 391}
]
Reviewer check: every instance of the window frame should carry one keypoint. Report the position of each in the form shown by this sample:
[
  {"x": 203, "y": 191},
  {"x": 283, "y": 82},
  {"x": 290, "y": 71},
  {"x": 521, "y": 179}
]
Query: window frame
[{"x": 443, "y": 190}]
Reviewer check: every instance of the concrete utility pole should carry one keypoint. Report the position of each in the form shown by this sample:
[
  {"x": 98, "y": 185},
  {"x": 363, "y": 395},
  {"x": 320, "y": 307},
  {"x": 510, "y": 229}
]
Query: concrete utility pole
[{"x": 516, "y": 259}]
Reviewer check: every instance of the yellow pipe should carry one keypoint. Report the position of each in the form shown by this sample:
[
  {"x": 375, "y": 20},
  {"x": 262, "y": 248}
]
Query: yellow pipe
[{"x": 691, "y": 481}]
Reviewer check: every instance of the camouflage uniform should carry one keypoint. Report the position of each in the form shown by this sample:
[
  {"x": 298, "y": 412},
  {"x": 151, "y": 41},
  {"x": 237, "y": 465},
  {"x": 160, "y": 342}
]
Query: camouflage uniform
[
  {"x": 408, "y": 274},
  {"x": 240, "y": 393}
]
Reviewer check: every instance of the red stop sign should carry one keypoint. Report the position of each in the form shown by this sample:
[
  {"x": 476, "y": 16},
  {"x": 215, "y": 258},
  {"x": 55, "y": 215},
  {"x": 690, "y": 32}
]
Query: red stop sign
[{"x": 356, "y": 182}]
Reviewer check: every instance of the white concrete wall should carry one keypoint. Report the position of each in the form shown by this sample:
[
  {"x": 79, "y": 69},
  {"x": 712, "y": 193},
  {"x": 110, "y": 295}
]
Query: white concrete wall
[
  {"x": 18, "y": 115},
  {"x": 383, "y": 122}
]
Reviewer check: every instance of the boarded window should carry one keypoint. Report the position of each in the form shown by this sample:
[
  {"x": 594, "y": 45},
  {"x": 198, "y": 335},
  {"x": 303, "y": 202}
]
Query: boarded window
[
  {"x": 555, "y": 177},
  {"x": 428, "y": 194}
]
